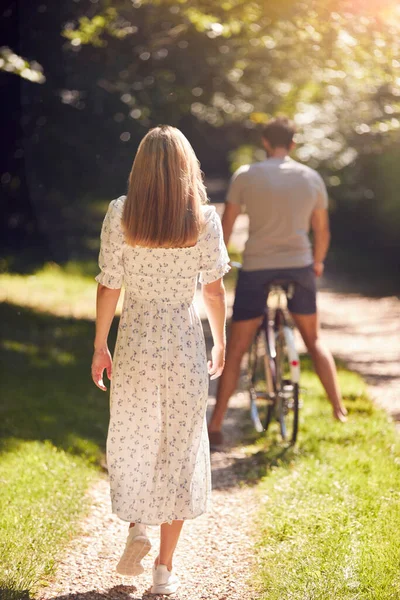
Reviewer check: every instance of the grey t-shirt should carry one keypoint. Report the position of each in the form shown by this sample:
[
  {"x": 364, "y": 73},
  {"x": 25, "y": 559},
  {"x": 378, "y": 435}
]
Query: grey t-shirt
[{"x": 279, "y": 195}]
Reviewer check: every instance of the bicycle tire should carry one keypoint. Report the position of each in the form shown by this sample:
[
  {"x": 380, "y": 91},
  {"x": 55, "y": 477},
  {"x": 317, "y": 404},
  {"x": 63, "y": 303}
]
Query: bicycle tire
[
  {"x": 269, "y": 416},
  {"x": 287, "y": 390},
  {"x": 261, "y": 403},
  {"x": 270, "y": 370},
  {"x": 252, "y": 367}
]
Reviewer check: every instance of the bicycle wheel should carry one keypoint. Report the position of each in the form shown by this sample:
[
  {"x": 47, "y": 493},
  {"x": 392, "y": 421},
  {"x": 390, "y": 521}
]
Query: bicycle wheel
[
  {"x": 287, "y": 381},
  {"x": 261, "y": 402}
]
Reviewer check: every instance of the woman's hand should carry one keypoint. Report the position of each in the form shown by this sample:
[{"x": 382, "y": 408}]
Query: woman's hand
[
  {"x": 101, "y": 360},
  {"x": 217, "y": 362}
]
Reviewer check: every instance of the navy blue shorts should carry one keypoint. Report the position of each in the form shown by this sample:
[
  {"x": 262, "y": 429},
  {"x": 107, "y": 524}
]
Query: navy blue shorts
[{"x": 252, "y": 290}]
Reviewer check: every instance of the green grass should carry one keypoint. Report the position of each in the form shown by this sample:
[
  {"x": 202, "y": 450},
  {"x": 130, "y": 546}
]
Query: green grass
[
  {"x": 329, "y": 516},
  {"x": 42, "y": 496},
  {"x": 53, "y": 424},
  {"x": 329, "y": 512},
  {"x": 68, "y": 290}
]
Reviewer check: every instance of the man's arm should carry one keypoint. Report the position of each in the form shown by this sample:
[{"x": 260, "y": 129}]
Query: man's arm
[
  {"x": 229, "y": 217},
  {"x": 322, "y": 238}
]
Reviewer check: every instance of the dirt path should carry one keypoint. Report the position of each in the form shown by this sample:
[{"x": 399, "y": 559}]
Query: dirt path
[
  {"x": 365, "y": 332},
  {"x": 214, "y": 554}
]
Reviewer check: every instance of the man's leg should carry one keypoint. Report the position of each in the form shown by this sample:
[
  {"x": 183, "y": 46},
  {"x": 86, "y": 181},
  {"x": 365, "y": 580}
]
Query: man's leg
[
  {"x": 323, "y": 361},
  {"x": 241, "y": 336}
]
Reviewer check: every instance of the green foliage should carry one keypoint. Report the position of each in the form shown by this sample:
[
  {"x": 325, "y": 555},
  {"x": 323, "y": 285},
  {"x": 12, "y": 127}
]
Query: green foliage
[
  {"x": 217, "y": 71},
  {"x": 306, "y": 59},
  {"x": 244, "y": 155},
  {"x": 91, "y": 31},
  {"x": 10, "y": 62},
  {"x": 366, "y": 215}
]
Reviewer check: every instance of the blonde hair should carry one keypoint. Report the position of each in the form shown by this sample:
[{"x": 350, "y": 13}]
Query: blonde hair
[{"x": 165, "y": 194}]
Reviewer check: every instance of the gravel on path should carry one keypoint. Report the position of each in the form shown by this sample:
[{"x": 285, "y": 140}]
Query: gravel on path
[
  {"x": 214, "y": 555},
  {"x": 365, "y": 333}
]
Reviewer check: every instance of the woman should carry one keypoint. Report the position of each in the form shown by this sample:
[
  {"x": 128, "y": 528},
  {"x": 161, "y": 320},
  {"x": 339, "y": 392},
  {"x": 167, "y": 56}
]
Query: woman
[{"x": 157, "y": 240}]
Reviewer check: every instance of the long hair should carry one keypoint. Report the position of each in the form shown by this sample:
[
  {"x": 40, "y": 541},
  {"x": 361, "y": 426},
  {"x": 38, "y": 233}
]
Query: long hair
[{"x": 165, "y": 194}]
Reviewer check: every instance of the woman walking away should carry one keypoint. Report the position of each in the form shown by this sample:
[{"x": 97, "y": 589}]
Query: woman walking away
[{"x": 157, "y": 240}]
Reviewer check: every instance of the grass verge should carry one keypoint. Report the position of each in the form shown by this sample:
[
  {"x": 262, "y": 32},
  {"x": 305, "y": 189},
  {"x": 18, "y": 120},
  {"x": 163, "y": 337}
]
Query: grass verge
[
  {"x": 63, "y": 291},
  {"x": 330, "y": 507},
  {"x": 53, "y": 424},
  {"x": 42, "y": 497}
]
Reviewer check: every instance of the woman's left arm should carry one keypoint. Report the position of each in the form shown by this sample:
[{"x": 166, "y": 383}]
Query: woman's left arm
[{"x": 106, "y": 305}]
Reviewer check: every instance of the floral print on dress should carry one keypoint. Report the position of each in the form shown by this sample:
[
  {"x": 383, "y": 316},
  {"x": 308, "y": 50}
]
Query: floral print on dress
[{"x": 157, "y": 445}]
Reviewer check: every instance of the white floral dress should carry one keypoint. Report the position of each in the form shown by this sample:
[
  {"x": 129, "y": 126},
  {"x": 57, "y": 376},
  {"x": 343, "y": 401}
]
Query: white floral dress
[{"x": 157, "y": 445}]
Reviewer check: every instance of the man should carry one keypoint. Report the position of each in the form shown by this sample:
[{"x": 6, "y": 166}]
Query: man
[{"x": 283, "y": 200}]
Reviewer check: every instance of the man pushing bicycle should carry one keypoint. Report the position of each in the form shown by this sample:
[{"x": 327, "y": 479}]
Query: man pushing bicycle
[{"x": 284, "y": 200}]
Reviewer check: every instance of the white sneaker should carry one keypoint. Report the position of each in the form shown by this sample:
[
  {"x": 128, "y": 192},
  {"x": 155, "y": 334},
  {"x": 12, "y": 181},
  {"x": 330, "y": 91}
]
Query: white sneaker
[
  {"x": 137, "y": 546},
  {"x": 164, "y": 581}
]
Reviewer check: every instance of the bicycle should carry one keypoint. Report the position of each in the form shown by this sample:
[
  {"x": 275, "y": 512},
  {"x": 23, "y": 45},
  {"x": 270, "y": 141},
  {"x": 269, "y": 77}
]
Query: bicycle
[{"x": 273, "y": 369}]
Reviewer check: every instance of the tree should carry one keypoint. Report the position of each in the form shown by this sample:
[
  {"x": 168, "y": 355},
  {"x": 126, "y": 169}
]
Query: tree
[{"x": 217, "y": 70}]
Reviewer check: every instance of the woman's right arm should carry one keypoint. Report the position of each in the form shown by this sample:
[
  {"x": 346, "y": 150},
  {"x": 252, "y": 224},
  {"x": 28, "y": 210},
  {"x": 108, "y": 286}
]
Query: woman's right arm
[
  {"x": 110, "y": 281},
  {"x": 214, "y": 298},
  {"x": 106, "y": 304}
]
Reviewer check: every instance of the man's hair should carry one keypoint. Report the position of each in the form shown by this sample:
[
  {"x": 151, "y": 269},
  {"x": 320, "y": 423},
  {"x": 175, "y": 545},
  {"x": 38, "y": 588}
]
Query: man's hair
[{"x": 279, "y": 132}]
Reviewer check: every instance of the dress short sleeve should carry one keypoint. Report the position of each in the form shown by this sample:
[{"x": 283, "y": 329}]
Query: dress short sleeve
[
  {"x": 214, "y": 259},
  {"x": 111, "y": 245}
]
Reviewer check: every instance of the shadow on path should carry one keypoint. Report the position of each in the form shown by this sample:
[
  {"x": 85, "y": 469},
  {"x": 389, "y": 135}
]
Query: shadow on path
[{"x": 118, "y": 592}]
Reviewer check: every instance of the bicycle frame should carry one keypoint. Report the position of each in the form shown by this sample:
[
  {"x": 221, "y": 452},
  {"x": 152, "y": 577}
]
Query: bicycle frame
[
  {"x": 280, "y": 323},
  {"x": 281, "y": 393}
]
